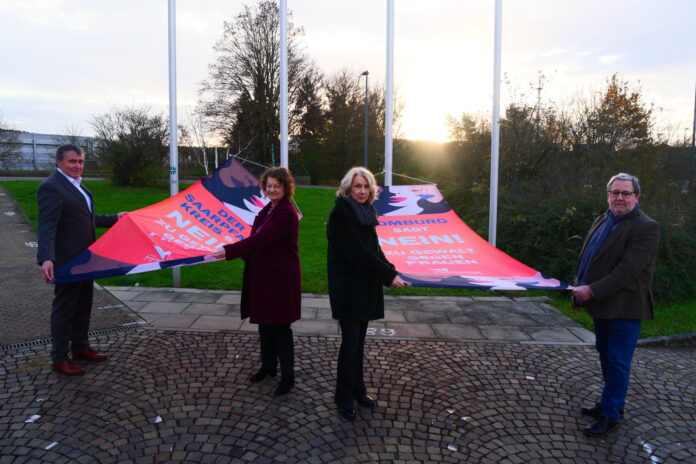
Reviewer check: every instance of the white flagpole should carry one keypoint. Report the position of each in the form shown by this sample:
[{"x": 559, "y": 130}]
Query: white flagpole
[
  {"x": 693, "y": 149},
  {"x": 389, "y": 97},
  {"x": 283, "y": 83},
  {"x": 495, "y": 130},
  {"x": 173, "y": 143}
]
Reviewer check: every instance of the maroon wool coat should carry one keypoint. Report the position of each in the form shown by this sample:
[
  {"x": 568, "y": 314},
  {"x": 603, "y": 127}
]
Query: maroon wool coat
[{"x": 271, "y": 291}]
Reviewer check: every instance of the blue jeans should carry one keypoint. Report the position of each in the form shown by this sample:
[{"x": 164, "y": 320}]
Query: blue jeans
[{"x": 616, "y": 342}]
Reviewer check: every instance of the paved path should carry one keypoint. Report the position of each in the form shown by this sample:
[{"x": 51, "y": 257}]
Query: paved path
[
  {"x": 25, "y": 299},
  {"x": 522, "y": 319},
  {"x": 480, "y": 380}
]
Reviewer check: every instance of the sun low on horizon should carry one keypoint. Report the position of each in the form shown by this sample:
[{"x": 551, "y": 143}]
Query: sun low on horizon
[{"x": 424, "y": 127}]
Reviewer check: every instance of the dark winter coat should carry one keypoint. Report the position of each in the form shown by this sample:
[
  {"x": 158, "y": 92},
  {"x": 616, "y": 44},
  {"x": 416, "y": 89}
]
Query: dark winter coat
[
  {"x": 66, "y": 224},
  {"x": 357, "y": 267},
  {"x": 621, "y": 272},
  {"x": 271, "y": 287}
]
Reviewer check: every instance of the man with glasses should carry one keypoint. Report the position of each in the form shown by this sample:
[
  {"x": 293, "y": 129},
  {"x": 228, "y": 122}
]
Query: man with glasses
[{"x": 613, "y": 281}]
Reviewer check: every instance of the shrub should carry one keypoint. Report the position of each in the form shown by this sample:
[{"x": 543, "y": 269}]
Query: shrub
[{"x": 131, "y": 142}]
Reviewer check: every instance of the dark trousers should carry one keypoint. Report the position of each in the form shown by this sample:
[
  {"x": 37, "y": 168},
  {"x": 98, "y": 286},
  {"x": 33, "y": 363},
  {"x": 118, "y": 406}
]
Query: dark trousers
[
  {"x": 616, "y": 342},
  {"x": 277, "y": 344},
  {"x": 70, "y": 314},
  {"x": 349, "y": 376}
]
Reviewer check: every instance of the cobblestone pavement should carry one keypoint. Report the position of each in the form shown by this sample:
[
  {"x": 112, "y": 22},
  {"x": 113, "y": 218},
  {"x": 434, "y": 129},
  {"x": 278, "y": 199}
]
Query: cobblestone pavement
[
  {"x": 458, "y": 380},
  {"x": 168, "y": 396},
  {"x": 25, "y": 299}
]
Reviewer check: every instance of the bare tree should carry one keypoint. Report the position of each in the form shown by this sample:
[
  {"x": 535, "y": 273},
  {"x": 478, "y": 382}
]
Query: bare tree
[
  {"x": 72, "y": 134},
  {"x": 197, "y": 130},
  {"x": 241, "y": 97}
]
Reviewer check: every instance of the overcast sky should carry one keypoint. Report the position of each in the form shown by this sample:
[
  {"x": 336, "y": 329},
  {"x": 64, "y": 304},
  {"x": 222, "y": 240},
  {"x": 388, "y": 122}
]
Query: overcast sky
[{"x": 62, "y": 61}]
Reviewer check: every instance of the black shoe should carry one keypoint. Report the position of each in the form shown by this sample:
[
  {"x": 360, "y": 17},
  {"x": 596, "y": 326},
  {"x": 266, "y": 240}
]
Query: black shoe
[
  {"x": 284, "y": 386},
  {"x": 603, "y": 426},
  {"x": 596, "y": 412},
  {"x": 347, "y": 413},
  {"x": 366, "y": 401},
  {"x": 261, "y": 374}
]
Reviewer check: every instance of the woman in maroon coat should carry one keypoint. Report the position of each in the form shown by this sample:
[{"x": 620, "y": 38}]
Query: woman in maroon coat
[{"x": 271, "y": 288}]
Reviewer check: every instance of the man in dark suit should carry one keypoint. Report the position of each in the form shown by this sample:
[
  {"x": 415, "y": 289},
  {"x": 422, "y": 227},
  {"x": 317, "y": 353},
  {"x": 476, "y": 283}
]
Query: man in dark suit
[
  {"x": 66, "y": 228},
  {"x": 613, "y": 281}
]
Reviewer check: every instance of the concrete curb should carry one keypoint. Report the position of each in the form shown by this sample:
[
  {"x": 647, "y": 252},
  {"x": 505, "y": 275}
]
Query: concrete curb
[{"x": 687, "y": 340}]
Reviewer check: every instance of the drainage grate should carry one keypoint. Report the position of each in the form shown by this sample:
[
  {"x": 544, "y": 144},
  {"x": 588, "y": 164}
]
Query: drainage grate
[
  {"x": 46, "y": 341},
  {"x": 124, "y": 328},
  {"x": 41, "y": 341}
]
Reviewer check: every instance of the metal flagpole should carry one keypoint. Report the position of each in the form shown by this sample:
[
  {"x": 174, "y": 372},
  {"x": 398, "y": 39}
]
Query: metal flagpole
[
  {"x": 367, "y": 112},
  {"x": 693, "y": 149},
  {"x": 495, "y": 132},
  {"x": 389, "y": 97},
  {"x": 173, "y": 143},
  {"x": 284, "y": 83}
]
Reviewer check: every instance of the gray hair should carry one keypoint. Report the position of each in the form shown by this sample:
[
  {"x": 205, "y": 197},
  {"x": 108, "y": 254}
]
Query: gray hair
[
  {"x": 624, "y": 176},
  {"x": 63, "y": 149},
  {"x": 347, "y": 182}
]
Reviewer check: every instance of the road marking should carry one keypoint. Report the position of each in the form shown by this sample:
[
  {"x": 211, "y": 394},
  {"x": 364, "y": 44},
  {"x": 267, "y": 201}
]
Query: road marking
[
  {"x": 134, "y": 323},
  {"x": 649, "y": 449},
  {"x": 381, "y": 332}
]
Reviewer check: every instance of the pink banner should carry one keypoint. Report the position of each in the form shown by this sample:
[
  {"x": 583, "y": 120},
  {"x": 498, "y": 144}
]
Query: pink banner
[
  {"x": 432, "y": 247},
  {"x": 178, "y": 231}
]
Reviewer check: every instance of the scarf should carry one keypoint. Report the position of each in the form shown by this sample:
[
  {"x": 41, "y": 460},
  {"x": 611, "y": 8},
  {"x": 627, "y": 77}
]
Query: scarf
[
  {"x": 365, "y": 213},
  {"x": 598, "y": 238}
]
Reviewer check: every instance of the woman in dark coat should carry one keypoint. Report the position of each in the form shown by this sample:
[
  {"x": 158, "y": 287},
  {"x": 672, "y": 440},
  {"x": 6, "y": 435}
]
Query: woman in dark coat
[
  {"x": 357, "y": 271},
  {"x": 271, "y": 295}
]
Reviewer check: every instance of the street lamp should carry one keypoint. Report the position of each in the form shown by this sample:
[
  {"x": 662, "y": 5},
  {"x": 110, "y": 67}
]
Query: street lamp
[{"x": 367, "y": 106}]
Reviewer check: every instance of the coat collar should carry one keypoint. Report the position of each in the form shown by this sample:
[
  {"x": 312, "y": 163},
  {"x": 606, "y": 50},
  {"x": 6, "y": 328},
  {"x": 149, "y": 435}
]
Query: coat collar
[
  {"x": 267, "y": 210},
  {"x": 621, "y": 229},
  {"x": 63, "y": 180}
]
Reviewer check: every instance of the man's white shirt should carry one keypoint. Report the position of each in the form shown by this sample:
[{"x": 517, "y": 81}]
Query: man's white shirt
[{"x": 76, "y": 183}]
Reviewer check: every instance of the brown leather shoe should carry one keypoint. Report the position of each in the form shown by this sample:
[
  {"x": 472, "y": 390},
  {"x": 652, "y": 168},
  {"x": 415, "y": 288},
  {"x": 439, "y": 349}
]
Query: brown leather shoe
[
  {"x": 68, "y": 368},
  {"x": 90, "y": 355}
]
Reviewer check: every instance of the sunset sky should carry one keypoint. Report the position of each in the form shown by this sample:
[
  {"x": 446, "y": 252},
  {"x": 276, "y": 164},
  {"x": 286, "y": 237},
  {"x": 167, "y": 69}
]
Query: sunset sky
[{"x": 62, "y": 61}]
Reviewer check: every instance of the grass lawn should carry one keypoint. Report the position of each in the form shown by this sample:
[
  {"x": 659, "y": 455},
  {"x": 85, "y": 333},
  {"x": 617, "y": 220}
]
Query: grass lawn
[
  {"x": 315, "y": 205},
  {"x": 670, "y": 318}
]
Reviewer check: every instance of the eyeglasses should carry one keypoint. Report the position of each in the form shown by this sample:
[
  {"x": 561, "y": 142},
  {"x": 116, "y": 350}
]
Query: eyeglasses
[
  {"x": 274, "y": 187},
  {"x": 619, "y": 193}
]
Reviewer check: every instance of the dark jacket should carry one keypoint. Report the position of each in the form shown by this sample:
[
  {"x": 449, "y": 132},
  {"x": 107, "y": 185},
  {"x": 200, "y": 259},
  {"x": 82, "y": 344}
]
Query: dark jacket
[
  {"x": 357, "y": 267},
  {"x": 621, "y": 272},
  {"x": 271, "y": 291},
  {"x": 66, "y": 225}
]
